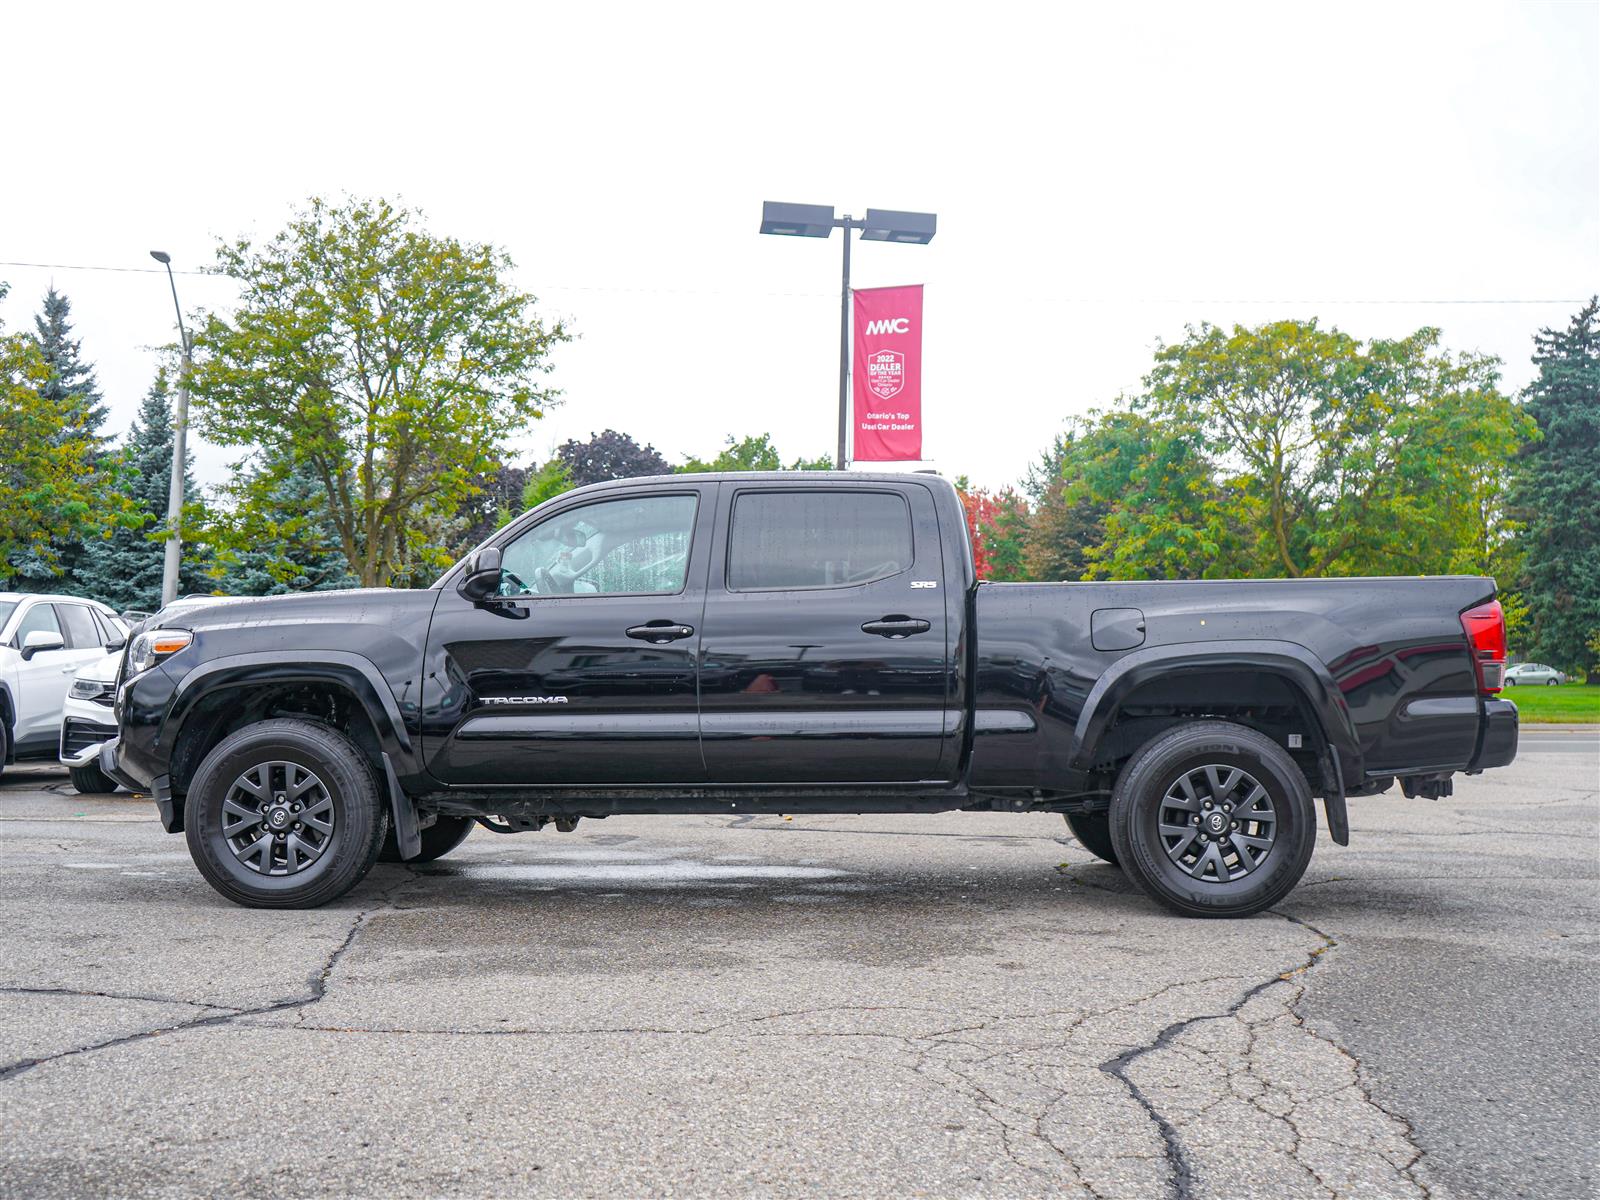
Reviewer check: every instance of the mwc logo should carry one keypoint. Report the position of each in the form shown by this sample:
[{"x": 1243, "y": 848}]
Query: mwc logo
[{"x": 889, "y": 325}]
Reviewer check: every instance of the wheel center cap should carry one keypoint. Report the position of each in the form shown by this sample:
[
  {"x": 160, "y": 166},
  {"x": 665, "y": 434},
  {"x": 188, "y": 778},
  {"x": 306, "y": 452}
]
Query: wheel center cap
[
  {"x": 278, "y": 818},
  {"x": 1217, "y": 822}
]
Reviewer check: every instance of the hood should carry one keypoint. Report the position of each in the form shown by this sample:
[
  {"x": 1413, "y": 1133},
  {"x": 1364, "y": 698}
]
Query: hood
[{"x": 352, "y": 606}]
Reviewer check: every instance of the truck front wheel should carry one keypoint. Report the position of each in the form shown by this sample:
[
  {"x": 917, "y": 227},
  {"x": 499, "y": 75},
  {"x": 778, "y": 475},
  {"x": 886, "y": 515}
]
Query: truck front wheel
[
  {"x": 284, "y": 814},
  {"x": 1213, "y": 820}
]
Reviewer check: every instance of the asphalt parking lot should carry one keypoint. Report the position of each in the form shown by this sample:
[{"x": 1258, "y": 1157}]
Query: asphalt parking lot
[{"x": 954, "y": 1005}]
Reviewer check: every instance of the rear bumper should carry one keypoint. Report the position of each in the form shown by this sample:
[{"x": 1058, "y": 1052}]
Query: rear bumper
[{"x": 1500, "y": 727}]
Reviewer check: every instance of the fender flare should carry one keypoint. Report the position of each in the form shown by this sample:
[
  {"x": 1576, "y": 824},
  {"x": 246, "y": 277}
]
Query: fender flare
[
  {"x": 1290, "y": 661},
  {"x": 354, "y": 672}
]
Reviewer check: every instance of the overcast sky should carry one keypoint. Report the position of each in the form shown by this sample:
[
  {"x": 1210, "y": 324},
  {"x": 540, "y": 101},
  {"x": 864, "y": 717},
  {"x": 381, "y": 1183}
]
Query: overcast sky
[{"x": 1102, "y": 175}]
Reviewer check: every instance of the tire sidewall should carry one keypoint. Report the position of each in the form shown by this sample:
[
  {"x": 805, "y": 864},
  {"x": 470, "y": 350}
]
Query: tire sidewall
[
  {"x": 357, "y": 818},
  {"x": 1135, "y": 812}
]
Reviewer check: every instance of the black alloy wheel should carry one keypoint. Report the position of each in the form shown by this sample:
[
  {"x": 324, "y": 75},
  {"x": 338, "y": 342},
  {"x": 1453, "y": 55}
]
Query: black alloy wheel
[
  {"x": 284, "y": 814},
  {"x": 1213, "y": 819}
]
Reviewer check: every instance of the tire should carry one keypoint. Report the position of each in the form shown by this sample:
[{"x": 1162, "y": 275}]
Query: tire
[
  {"x": 264, "y": 767},
  {"x": 1511, "y": 683},
  {"x": 438, "y": 839},
  {"x": 1093, "y": 831},
  {"x": 1551, "y": 683},
  {"x": 91, "y": 780},
  {"x": 5, "y": 746},
  {"x": 1224, "y": 877}
]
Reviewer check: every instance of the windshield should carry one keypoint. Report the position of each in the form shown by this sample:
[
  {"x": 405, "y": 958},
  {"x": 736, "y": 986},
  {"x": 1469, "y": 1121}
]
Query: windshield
[{"x": 7, "y": 607}]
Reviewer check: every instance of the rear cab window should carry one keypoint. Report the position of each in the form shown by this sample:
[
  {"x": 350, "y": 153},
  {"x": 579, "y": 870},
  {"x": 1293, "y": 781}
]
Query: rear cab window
[{"x": 783, "y": 540}]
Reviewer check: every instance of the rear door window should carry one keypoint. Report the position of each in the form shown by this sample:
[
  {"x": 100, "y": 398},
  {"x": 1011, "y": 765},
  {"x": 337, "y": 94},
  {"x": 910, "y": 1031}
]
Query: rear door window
[
  {"x": 817, "y": 539},
  {"x": 80, "y": 627}
]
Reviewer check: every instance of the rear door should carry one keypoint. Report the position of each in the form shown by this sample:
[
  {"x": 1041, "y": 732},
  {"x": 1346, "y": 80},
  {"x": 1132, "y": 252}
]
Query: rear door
[{"x": 825, "y": 653}]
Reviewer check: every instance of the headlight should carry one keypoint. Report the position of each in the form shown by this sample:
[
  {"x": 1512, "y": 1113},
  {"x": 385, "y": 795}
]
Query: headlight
[
  {"x": 150, "y": 648},
  {"x": 93, "y": 689}
]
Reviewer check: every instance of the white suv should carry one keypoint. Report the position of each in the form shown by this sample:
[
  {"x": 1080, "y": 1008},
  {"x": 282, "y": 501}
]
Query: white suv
[{"x": 44, "y": 642}]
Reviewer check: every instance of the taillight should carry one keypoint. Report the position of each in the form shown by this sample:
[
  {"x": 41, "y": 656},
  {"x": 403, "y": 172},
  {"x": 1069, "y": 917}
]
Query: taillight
[{"x": 1486, "y": 634}]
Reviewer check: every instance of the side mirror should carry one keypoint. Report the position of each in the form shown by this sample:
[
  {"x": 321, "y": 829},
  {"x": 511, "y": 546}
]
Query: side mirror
[
  {"x": 116, "y": 644},
  {"x": 482, "y": 578},
  {"x": 39, "y": 640}
]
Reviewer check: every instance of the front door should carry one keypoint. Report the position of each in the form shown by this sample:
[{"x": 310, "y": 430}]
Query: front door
[
  {"x": 584, "y": 672},
  {"x": 825, "y": 656}
]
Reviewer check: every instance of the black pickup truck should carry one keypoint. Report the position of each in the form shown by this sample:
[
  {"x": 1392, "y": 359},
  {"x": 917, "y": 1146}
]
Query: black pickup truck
[{"x": 765, "y": 643}]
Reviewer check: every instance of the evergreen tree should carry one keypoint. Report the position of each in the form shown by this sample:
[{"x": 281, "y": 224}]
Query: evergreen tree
[
  {"x": 123, "y": 568},
  {"x": 1557, "y": 496},
  {"x": 279, "y": 537},
  {"x": 71, "y": 386},
  {"x": 70, "y": 393}
]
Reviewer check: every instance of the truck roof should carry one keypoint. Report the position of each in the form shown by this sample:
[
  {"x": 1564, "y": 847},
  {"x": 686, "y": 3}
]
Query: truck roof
[{"x": 814, "y": 477}]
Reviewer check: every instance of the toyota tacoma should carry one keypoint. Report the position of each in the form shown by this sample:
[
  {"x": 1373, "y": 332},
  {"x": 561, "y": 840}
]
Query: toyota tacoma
[{"x": 801, "y": 643}]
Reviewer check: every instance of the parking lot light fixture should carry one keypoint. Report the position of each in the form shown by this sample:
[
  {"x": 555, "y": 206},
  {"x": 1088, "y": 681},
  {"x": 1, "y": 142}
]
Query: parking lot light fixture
[
  {"x": 884, "y": 225},
  {"x": 880, "y": 225},
  {"x": 173, "y": 555}
]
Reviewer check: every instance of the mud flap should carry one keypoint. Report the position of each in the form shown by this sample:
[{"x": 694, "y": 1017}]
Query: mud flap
[
  {"x": 1333, "y": 799},
  {"x": 407, "y": 834}
]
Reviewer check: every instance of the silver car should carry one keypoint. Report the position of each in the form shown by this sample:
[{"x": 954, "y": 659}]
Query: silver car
[{"x": 1537, "y": 674}]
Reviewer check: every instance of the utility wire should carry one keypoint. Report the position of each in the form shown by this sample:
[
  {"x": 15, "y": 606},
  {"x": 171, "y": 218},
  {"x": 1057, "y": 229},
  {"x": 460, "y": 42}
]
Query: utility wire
[{"x": 660, "y": 291}]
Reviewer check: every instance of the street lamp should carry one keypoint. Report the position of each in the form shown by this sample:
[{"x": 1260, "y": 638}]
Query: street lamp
[
  {"x": 180, "y": 429},
  {"x": 880, "y": 225}
]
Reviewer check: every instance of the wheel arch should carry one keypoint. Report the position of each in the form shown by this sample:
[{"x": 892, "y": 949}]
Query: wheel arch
[
  {"x": 342, "y": 690},
  {"x": 1231, "y": 681}
]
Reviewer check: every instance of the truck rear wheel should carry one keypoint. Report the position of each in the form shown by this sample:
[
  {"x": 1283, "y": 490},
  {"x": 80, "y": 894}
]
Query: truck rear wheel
[
  {"x": 1213, "y": 820},
  {"x": 1093, "y": 831},
  {"x": 438, "y": 839},
  {"x": 284, "y": 814}
]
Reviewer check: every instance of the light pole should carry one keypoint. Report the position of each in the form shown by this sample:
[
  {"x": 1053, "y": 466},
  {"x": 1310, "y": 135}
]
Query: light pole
[
  {"x": 879, "y": 225},
  {"x": 180, "y": 430}
]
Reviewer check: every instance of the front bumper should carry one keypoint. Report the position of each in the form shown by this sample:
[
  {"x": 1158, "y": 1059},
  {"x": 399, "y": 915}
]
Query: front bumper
[
  {"x": 81, "y": 738},
  {"x": 160, "y": 788},
  {"x": 1500, "y": 726}
]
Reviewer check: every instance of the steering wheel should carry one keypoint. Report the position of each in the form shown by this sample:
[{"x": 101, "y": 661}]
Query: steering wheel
[
  {"x": 546, "y": 582},
  {"x": 887, "y": 567}
]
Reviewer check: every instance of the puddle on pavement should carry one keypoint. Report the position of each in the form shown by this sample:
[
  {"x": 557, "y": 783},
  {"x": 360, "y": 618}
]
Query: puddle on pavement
[{"x": 670, "y": 873}]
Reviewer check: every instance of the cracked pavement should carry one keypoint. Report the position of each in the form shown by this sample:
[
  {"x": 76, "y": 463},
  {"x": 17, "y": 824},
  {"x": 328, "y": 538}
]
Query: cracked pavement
[{"x": 954, "y": 1005}]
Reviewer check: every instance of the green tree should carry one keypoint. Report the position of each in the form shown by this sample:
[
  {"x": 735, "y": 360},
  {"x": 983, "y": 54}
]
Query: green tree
[
  {"x": 46, "y": 462},
  {"x": 277, "y": 537},
  {"x": 71, "y": 385},
  {"x": 1557, "y": 496},
  {"x": 754, "y": 453},
  {"x": 122, "y": 566},
  {"x": 389, "y": 362},
  {"x": 547, "y": 482},
  {"x": 72, "y": 392},
  {"x": 1342, "y": 458},
  {"x": 1064, "y": 529}
]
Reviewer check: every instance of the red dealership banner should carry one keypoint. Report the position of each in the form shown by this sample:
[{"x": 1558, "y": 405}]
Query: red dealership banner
[{"x": 887, "y": 374}]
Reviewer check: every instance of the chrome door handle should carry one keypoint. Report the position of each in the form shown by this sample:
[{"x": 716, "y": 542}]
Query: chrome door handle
[
  {"x": 660, "y": 632},
  {"x": 896, "y": 625}
]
